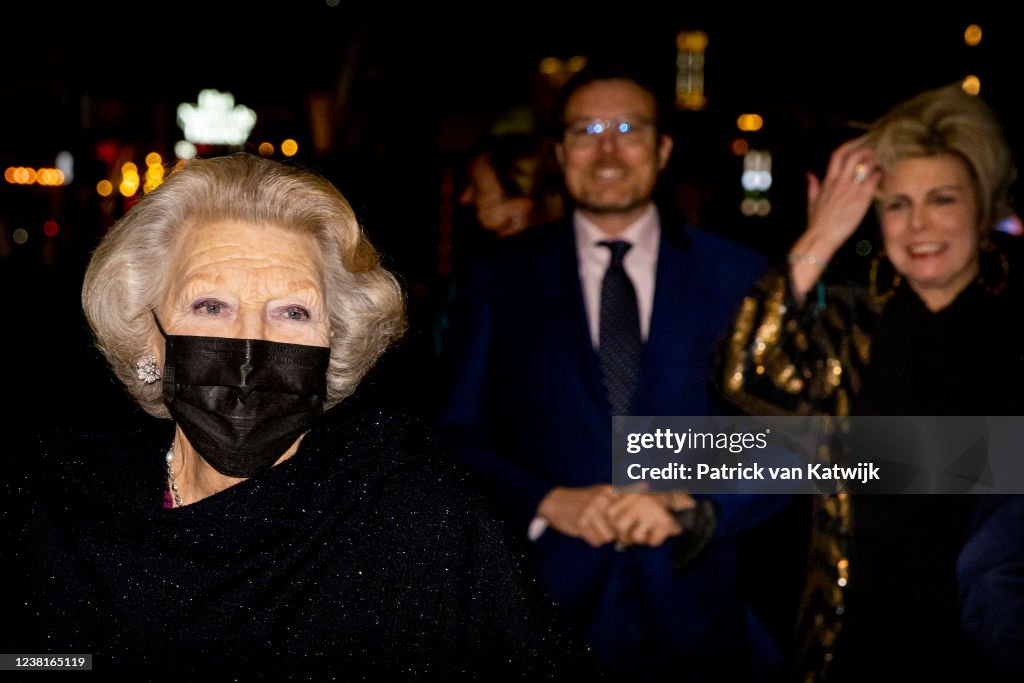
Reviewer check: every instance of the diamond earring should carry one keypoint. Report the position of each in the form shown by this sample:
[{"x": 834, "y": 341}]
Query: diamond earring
[{"x": 146, "y": 368}]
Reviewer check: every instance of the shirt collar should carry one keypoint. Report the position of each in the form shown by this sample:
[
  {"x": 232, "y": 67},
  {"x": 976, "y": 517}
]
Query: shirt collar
[{"x": 642, "y": 233}]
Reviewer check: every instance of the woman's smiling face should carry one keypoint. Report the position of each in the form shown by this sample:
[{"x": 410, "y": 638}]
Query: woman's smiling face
[{"x": 929, "y": 217}]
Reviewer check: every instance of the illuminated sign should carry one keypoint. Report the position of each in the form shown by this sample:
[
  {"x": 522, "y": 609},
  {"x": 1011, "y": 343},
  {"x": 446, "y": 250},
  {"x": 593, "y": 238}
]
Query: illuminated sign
[
  {"x": 216, "y": 120},
  {"x": 690, "y": 48}
]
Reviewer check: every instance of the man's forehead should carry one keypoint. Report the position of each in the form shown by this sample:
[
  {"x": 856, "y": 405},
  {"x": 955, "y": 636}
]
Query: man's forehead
[{"x": 618, "y": 95}]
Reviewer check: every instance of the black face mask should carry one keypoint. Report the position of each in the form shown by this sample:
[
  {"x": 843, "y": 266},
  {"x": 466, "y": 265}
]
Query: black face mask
[{"x": 243, "y": 402}]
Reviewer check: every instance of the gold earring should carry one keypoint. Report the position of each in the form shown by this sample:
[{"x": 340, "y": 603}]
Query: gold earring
[
  {"x": 988, "y": 249},
  {"x": 881, "y": 299}
]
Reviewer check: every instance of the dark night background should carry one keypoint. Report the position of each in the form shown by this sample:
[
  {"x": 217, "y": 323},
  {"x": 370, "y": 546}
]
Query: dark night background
[{"x": 403, "y": 96}]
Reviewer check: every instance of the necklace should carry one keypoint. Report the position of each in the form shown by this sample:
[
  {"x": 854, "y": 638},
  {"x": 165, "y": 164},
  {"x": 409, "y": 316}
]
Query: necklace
[{"x": 170, "y": 478}]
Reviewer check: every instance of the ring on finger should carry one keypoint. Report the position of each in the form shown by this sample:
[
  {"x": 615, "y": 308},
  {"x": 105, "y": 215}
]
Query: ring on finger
[{"x": 860, "y": 173}]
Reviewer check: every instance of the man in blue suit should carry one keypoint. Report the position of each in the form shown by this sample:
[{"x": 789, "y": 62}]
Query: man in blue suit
[{"x": 531, "y": 398}]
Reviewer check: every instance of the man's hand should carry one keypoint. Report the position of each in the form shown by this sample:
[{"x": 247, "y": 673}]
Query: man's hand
[
  {"x": 580, "y": 512},
  {"x": 646, "y": 518}
]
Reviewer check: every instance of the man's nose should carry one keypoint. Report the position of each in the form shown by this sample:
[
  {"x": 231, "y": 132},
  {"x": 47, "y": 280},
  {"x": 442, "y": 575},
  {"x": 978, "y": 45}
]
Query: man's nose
[{"x": 608, "y": 140}]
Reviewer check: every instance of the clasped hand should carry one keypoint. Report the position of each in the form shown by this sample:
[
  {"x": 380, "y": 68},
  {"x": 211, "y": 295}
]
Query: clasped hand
[{"x": 599, "y": 515}]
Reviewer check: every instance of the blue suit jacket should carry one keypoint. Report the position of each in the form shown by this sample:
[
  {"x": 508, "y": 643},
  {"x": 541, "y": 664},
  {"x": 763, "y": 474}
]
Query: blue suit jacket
[{"x": 526, "y": 408}]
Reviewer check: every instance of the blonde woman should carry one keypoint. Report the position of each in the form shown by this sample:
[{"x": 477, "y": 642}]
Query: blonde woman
[{"x": 911, "y": 586}]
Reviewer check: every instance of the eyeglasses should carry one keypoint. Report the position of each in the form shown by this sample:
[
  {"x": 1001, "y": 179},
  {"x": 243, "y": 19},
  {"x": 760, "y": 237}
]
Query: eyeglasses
[{"x": 625, "y": 129}]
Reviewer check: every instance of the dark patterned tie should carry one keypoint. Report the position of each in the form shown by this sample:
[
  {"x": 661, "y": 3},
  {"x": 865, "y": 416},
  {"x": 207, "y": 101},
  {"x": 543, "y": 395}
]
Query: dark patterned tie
[{"x": 620, "y": 346}]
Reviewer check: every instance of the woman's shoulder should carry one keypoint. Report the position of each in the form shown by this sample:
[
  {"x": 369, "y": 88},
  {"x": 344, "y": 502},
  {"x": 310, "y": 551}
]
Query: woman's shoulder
[
  {"x": 402, "y": 436},
  {"x": 389, "y": 467},
  {"x": 109, "y": 441},
  {"x": 56, "y": 462},
  {"x": 390, "y": 452}
]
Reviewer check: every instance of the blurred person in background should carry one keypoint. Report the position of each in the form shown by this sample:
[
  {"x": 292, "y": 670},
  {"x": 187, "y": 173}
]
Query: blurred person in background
[
  {"x": 613, "y": 310},
  {"x": 912, "y": 587},
  {"x": 511, "y": 186}
]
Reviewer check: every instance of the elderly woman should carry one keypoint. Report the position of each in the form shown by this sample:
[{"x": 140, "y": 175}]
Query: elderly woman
[
  {"x": 907, "y": 586},
  {"x": 244, "y": 535}
]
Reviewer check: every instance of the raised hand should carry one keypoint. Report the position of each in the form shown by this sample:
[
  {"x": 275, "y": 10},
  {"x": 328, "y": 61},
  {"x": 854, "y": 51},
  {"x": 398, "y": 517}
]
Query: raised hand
[{"x": 835, "y": 208}]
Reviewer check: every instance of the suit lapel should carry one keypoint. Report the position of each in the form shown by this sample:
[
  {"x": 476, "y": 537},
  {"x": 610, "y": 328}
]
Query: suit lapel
[
  {"x": 673, "y": 315},
  {"x": 559, "y": 271}
]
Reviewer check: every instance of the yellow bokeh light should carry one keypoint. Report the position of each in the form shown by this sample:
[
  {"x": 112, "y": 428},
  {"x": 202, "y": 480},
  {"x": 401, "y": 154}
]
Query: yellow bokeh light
[
  {"x": 104, "y": 188},
  {"x": 972, "y": 35},
  {"x": 154, "y": 159},
  {"x": 128, "y": 189},
  {"x": 691, "y": 41},
  {"x": 694, "y": 101},
  {"x": 24, "y": 175},
  {"x": 550, "y": 65},
  {"x": 576, "y": 63},
  {"x": 50, "y": 176},
  {"x": 289, "y": 147},
  {"x": 971, "y": 85},
  {"x": 128, "y": 168},
  {"x": 750, "y": 122},
  {"x": 155, "y": 173},
  {"x": 266, "y": 149},
  {"x": 20, "y": 175}
]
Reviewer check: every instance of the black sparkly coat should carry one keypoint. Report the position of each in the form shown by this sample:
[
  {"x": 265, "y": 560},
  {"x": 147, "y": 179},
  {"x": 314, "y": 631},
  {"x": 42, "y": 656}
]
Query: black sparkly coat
[{"x": 367, "y": 555}]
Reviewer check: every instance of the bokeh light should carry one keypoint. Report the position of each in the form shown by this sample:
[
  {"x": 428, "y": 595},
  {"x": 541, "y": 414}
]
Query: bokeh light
[
  {"x": 750, "y": 122},
  {"x": 691, "y": 41},
  {"x": 550, "y": 65},
  {"x": 972, "y": 35},
  {"x": 183, "y": 149},
  {"x": 66, "y": 163}
]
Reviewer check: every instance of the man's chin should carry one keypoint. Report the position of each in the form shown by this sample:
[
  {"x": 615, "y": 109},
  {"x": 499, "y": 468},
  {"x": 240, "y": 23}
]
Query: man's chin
[{"x": 612, "y": 208}]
